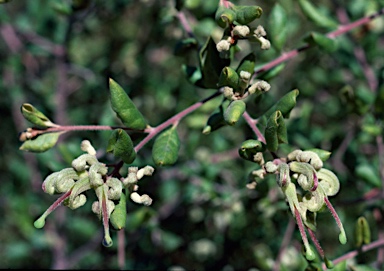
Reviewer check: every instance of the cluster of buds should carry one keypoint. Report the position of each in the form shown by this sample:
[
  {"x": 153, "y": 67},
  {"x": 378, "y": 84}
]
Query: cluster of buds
[
  {"x": 87, "y": 173},
  {"x": 305, "y": 169},
  {"x": 235, "y": 20}
]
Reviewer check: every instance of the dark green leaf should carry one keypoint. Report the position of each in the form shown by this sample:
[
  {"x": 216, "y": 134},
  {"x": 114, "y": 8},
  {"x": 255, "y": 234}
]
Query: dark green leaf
[
  {"x": 229, "y": 77},
  {"x": 224, "y": 16},
  {"x": 275, "y": 131},
  {"x": 34, "y": 116},
  {"x": 41, "y": 143},
  {"x": 121, "y": 145},
  {"x": 125, "y": 108},
  {"x": 214, "y": 122},
  {"x": 247, "y": 14},
  {"x": 250, "y": 147},
  {"x": 327, "y": 44},
  {"x": 284, "y": 105},
  {"x": 278, "y": 30},
  {"x": 166, "y": 147},
  {"x": 184, "y": 46},
  {"x": 211, "y": 65},
  {"x": 247, "y": 64},
  {"x": 269, "y": 74},
  {"x": 316, "y": 16},
  {"x": 369, "y": 174}
]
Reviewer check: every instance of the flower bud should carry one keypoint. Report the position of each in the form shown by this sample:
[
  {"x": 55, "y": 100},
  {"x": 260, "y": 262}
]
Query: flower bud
[
  {"x": 241, "y": 30},
  {"x": 145, "y": 171},
  {"x": 115, "y": 188},
  {"x": 83, "y": 162},
  {"x": 86, "y": 146}
]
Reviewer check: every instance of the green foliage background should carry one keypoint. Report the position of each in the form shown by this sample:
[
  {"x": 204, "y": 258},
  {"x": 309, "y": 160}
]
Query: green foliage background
[{"x": 203, "y": 216}]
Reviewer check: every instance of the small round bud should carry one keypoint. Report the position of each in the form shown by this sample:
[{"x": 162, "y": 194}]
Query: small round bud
[
  {"x": 265, "y": 44},
  {"x": 260, "y": 31},
  {"x": 86, "y": 146},
  {"x": 146, "y": 200},
  {"x": 228, "y": 92},
  {"x": 135, "y": 197},
  {"x": 245, "y": 75},
  {"x": 115, "y": 188},
  {"x": 241, "y": 30},
  {"x": 270, "y": 167},
  {"x": 145, "y": 171},
  {"x": 223, "y": 45}
]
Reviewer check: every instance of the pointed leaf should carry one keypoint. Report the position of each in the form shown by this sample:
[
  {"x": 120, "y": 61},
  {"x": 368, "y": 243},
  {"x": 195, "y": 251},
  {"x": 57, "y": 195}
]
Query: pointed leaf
[
  {"x": 214, "y": 122},
  {"x": 40, "y": 143},
  {"x": 125, "y": 108},
  {"x": 285, "y": 104},
  {"x": 275, "y": 131},
  {"x": 34, "y": 116},
  {"x": 118, "y": 217},
  {"x": 247, "y": 64},
  {"x": 269, "y": 74},
  {"x": 278, "y": 29},
  {"x": 166, "y": 147},
  {"x": 121, "y": 145},
  {"x": 327, "y": 44},
  {"x": 316, "y": 16},
  {"x": 211, "y": 64}
]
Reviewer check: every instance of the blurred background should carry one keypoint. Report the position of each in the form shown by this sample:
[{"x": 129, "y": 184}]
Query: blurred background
[{"x": 59, "y": 55}]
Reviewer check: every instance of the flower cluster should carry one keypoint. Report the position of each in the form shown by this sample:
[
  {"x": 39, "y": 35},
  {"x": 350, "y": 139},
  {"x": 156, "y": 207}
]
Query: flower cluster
[
  {"x": 305, "y": 170},
  {"x": 87, "y": 173}
]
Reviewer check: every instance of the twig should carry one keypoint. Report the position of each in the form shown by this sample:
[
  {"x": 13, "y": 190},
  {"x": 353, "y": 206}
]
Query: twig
[
  {"x": 360, "y": 55},
  {"x": 354, "y": 253},
  {"x": 338, "y": 32},
  {"x": 176, "y": 118},
  {"x": 252, "y": 123}
]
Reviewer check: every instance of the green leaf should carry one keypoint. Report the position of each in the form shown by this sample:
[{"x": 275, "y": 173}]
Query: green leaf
[
  {"x": 34, "y": 116},
  {"x": 228, "y": 77},
  {"x": 211, "y": 65},
  {"x": 275, "y": 131},
  {"x": 323, "y": 154},
  {"x": 278, "y": 31},
  {"x": 368, "y": 174},
  {"x": 224, "y": 16},
  {"x": 247, "y": 14},
  {"x": 118, "y": 217},
  {"x": 214, "y": 122},
  {"x": 247, "y": 64},
  {"x": 234, "y": 111},
  {"x": 316, "y": 16},
  {"x": 250, "y": 147},
  {"x": 269, "y": 74},
  {"x": 121, "y": 145},
  {"x": 284, "y": 105},
  {"x": 41, "y": 143},
  {"x": 327, "y": 44},
  {"x": 125, "y": 108},
  {"x": 166, "y": 147}
]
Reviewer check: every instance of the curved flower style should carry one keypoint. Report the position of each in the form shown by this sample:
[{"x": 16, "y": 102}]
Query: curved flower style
[
  {"x": 317, "y": 183},
  {"x": 88, "y": 173}
]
